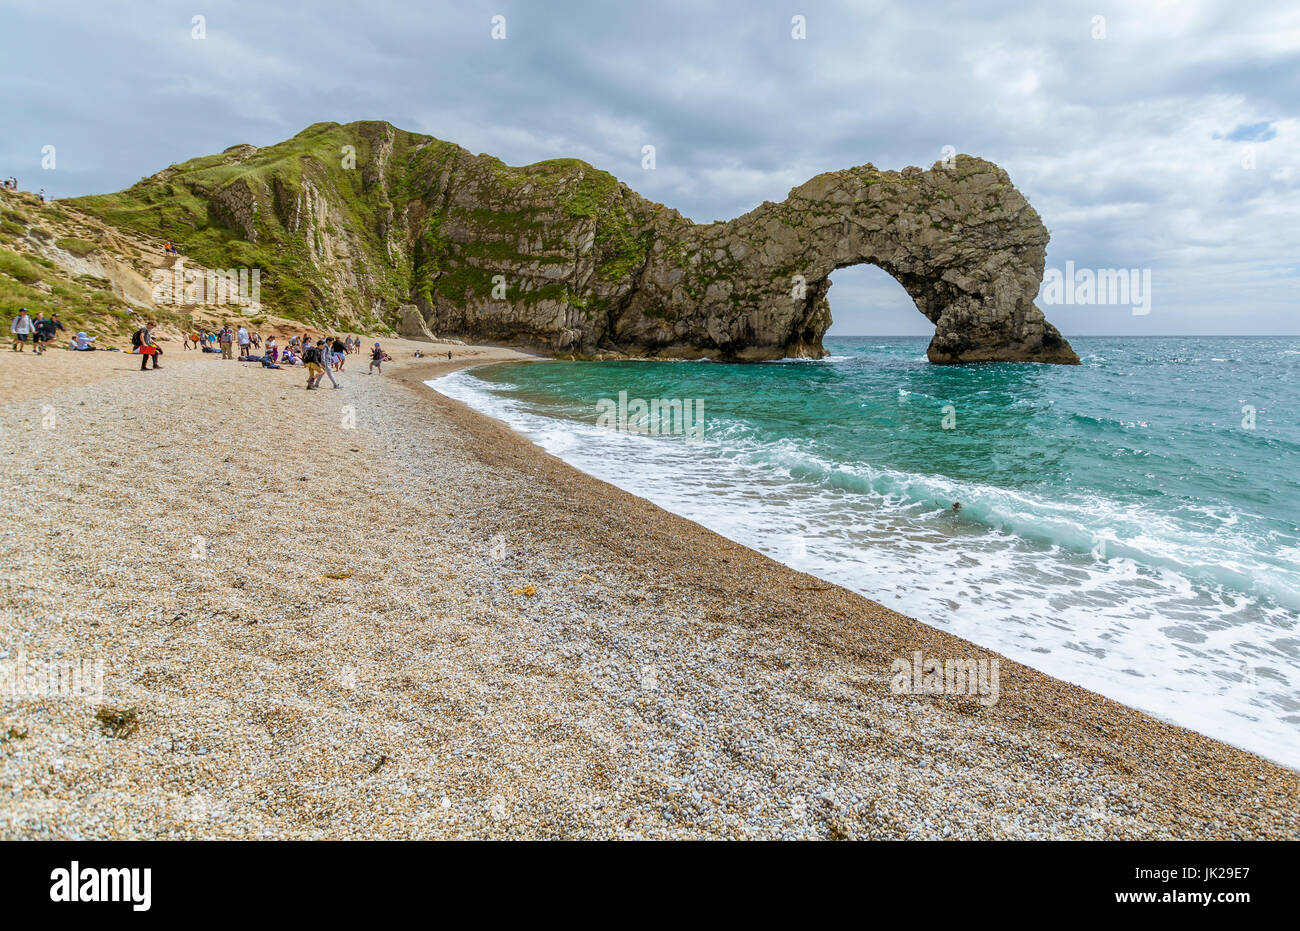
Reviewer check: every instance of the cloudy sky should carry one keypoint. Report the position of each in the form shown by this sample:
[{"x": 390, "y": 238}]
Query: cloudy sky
[{"x": 1156, "y": 135}]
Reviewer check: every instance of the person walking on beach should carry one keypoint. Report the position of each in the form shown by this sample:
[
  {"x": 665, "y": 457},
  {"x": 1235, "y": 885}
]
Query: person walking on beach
[
  {"x": 376, "y": 360},
  {"x": 339, "y": 353},
  {"x": 144, "y": 344},
  {"x": 22, "y": 329},
  {"x": 327, "y": 361},
  {"x": 311, "y": 359},
  {"x": 43, "y": 331},
  {"x": 50, "y": 331},
  {"x": 243, "y": 341},
  {"x": 226, "y": 338}
]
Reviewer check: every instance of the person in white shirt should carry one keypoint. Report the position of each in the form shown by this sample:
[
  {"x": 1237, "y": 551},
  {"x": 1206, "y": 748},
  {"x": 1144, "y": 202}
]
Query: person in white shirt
[
  {"x": 243, "y": 342},
  {"x": 22, "y": 329}
]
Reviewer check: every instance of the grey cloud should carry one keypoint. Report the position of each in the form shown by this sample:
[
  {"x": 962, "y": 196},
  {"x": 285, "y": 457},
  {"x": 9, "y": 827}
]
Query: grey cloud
[{"x": 1129, "y": 146}]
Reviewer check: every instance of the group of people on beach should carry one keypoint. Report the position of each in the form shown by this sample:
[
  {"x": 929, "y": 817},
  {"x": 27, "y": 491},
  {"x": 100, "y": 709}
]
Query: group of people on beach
[
  {"x": 322, "y": 357},
  {"x": 38, "y": 331},
  {"x": 226, "y": 338}
]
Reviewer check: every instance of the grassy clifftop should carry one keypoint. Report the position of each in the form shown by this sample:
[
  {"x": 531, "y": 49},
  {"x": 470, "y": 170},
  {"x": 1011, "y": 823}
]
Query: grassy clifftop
[
  {"x": 245, "y": 208},
  {"x": 350, "y": 222},
  {"x": 54, "y": 259}
]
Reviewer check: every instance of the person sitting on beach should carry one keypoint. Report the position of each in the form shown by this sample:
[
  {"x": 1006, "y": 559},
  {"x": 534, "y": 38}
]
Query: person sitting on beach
[
  {"x": 272, "y": 350},
  {"x": 81, "y": 342}
]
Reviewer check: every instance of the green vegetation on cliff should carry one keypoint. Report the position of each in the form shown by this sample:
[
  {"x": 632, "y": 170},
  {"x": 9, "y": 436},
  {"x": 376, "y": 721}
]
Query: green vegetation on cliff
[{"x": 349, "y": 222}]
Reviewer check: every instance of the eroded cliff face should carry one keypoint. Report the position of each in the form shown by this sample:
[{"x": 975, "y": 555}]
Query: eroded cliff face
[{"x": 355, "y": 223}]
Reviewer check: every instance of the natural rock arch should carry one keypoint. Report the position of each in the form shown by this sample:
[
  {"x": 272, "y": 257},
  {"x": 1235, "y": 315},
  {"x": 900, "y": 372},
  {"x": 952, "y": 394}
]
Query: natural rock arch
[
  {"x": 562, "y": 256},
  {"x": 961, "y": 240}
]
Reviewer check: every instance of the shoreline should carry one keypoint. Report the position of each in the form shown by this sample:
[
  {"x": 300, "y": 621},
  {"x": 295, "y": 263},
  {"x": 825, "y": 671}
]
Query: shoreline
[
  {"x": 660, "y": 681},
  {"x": 592, "y": 468}
]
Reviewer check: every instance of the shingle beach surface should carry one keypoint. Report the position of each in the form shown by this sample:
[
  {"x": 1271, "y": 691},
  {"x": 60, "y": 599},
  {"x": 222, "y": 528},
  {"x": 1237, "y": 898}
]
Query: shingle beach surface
[{"x": 374, "y": 613}]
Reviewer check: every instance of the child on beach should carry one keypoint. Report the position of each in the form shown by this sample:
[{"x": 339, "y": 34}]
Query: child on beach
[
  {"x": 376, "y": 360},
  {"x": 22, "y": 329},
  {"x": 311, "y": 358},
  {"x": 38, "y": 333},
  {"x": 47, "y": 329}
]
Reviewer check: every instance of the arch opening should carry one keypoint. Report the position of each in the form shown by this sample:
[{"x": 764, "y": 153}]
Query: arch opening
[{"x": 866, "y": 300}]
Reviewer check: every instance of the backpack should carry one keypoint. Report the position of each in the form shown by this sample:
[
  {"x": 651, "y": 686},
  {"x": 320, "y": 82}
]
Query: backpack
[
  {"x": 137, "y": 339},
  {"x": 311, "y": 355}
]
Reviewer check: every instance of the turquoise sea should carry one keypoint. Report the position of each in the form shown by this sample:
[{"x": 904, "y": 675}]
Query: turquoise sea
[{"x": 1131, "y": 524}]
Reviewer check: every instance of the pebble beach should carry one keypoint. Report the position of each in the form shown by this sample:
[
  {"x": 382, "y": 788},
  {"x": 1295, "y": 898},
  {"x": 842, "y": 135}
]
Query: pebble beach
[{"x": 374, "y": 613}]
